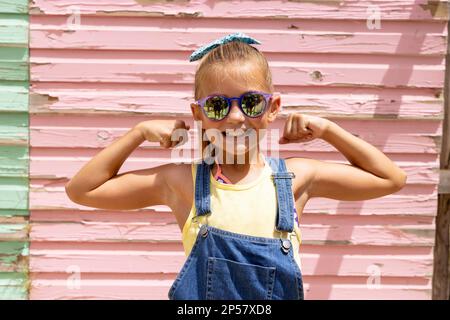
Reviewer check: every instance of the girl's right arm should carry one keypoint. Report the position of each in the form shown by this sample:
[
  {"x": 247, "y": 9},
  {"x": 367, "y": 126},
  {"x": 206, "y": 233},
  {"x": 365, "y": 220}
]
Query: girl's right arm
[{"x": 98, "y": 185}]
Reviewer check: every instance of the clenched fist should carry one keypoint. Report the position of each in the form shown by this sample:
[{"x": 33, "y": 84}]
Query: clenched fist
[
  {"x": 162, "y": 131},
  {"x": 303, "y": 128}
]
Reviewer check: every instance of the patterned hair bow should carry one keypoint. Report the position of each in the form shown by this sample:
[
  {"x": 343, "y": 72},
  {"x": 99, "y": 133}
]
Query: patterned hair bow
[{"x": 200, "y": 52}]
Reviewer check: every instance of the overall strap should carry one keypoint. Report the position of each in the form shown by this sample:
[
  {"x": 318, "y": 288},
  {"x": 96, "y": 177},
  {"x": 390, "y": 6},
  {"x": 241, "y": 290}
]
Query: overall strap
[
  {"x": 283, "y": 184},
  {"x": 202, "y": 189}
]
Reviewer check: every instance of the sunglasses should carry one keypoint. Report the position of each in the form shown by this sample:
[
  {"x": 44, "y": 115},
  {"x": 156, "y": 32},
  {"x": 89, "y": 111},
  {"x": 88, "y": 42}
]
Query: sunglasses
[{"x": 252, "y": 104}]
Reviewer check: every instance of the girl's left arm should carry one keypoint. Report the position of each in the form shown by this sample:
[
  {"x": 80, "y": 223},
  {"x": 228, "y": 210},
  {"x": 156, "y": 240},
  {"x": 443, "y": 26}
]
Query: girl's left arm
[{"x": 370, "y": 174}]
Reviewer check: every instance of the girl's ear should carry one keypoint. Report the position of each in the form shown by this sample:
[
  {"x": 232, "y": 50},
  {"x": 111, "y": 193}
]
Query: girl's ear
[
  {"x": 274, "y": 108},
  {"x": 196, "y": 112}
]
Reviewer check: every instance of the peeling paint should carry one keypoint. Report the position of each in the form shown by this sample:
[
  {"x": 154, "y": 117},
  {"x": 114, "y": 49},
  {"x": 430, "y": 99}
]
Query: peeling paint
[
  {"x": 150, "y": 2},
  {"x": 331, "y": 3},
  {"x": 439, "y": 94},
  {"x": 336, "y": 36},
  {"x": 190, "y": 14},
  {"x": 437, "y": 142},
  {"x": 386, "y": 116},
  {"x": 437, "y": 8},
  {"x": 35, "y": 10},
  {"x": 41, "y": 101},
  {"x": 148, "y": 13},
  {"x": 104, "y": 135},
  {"x": 11, "y": 252},
  {"x": 187, "y": 45},
  {"x": 422, "y": 233},
  {"x": 37, "y": 64},
  {"x": 131, "y": 13},
  {"x": 316, "y": 75}
]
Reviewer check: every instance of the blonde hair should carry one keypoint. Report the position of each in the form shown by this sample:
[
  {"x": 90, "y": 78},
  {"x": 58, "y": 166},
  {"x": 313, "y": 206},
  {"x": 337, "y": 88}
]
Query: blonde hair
[{"x": 235, "y": 52}]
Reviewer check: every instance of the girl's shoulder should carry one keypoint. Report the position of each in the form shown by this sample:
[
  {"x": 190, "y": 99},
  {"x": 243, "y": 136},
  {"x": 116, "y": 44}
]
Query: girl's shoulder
[
  {"x": 304, "y": 170},
  {"x": 178, "y": 177},
  {"x": 297, "y": 164},
  {"x": 176, "y": 173}
]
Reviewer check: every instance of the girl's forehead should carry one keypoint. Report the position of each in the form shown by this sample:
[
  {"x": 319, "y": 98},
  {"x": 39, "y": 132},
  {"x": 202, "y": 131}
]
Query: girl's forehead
[{"x": 233, "y": 80}]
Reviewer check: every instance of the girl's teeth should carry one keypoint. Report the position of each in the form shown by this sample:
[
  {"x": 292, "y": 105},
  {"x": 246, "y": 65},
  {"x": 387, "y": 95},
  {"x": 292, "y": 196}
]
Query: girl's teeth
[{"x": 235, "y": 133}]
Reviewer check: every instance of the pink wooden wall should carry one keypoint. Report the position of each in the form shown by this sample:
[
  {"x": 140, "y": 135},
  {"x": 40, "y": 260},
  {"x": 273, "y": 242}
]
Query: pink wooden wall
[{"x": 127, "y": 62}]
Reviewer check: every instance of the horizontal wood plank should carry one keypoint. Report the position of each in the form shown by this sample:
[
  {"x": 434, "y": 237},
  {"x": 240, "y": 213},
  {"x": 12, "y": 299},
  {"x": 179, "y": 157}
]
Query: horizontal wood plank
[
  {"x": 287, "y": 73},
  {"x": 74, "y": 286},
  {"x": 334, "y": 102},
  {"x": 395, "y": 138},
  {"x": 334, "y": 9},
  {"x": 414, "y": 235}
]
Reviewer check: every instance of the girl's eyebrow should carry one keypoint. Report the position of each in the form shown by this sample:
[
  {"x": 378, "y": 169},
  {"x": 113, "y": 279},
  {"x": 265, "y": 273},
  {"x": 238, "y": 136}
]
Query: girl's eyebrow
[{"x": 222, "y": 94}]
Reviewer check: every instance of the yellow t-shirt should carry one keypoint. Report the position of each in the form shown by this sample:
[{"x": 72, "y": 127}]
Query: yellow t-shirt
[{"x": 249, "y": 209}]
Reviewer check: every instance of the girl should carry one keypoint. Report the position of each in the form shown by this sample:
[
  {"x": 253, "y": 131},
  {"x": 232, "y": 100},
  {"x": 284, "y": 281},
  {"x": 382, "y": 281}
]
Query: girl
[{"x": 239, "y": 219}]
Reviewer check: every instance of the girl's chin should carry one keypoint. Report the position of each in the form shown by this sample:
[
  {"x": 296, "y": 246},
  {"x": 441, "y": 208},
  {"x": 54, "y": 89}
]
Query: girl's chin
[{"x": 238, "y": 150}]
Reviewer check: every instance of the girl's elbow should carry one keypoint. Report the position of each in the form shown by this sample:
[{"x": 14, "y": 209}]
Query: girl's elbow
[
  {"x": 399, "y": 181},
  {"x": 72, "y": 194}
]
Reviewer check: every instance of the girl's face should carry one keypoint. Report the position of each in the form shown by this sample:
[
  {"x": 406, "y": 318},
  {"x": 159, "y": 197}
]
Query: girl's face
[{"x": 226, "y": 134}]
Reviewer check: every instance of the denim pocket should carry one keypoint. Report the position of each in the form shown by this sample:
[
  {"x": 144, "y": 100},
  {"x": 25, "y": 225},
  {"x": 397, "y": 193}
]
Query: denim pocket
[{"x": 232, "y": 280}]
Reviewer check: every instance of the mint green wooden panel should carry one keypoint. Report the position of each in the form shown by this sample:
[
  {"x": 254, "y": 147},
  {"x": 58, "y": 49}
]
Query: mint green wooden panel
[
  {"x": 14, "y": 144},
  {"x": 15, "y": 71},
  {"x": 14, "y": 64},
  {"x": 13, "y": 194},
  {"x": 14, "y": 30},
  {"x": 13, "y": 96},
  {"x": 14, "y": 6},
  {"x": 13, "y": 286},
  {"x": 14, "y": 128},
  {"x": 14, "y": 261},
  {"x": 11, "y": 252},
  {"x": 9, "y": 229},
  {"x": 13, "y": 213},
  {"x": 8, "y": 54},
  {"x": 14, "y": 161}
]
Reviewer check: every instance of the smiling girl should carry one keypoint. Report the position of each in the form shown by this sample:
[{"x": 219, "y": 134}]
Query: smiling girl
[{"x": 239, "y": 219}]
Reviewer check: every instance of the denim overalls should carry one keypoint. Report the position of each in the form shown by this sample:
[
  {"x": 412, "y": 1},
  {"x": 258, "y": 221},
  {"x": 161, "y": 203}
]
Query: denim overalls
[{"x": 227, "y": 265}]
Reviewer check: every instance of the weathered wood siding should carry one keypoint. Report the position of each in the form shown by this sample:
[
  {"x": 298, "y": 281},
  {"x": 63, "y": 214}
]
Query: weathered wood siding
[
  {"x": 127, "y": 62},
  {"x": 14, "y": 149}
]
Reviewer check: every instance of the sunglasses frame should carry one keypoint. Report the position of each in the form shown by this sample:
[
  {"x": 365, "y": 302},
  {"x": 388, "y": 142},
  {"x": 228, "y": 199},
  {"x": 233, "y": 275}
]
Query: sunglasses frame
[{"x": 267, "y": 97}]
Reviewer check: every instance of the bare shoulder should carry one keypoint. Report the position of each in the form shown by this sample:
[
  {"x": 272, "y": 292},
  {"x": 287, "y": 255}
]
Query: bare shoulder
[
  {"x": 179, "y": 179},
  {"x": 304, "y": 170}
]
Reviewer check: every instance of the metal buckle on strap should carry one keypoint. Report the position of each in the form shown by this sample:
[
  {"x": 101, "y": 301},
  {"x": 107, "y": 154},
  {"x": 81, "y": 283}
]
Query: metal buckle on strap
[
  {"x": 286, "y": 234},
  {"x": 286, "y": 240},
  {"x": 283, "y": 175},
  {"x": 194, "y": 219}
]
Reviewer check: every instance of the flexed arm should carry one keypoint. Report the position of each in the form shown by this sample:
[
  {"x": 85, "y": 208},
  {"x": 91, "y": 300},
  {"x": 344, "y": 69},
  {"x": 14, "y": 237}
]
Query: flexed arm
[
  {"x": 371, "y": 174},
  {"x": 98, "y": 185}
]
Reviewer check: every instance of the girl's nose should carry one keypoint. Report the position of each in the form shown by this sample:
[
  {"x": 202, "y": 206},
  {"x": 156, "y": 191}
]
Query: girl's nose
[{"x": 236, "y": 115}]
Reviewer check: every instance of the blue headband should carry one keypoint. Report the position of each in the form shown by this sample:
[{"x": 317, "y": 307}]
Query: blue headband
[{"x": 200, "y": 52}]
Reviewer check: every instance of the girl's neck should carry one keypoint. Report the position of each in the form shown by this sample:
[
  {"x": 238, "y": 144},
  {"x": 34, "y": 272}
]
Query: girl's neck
[
  {"x": 253, "y": 159},
  {"x": 240, "y": 172}
]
